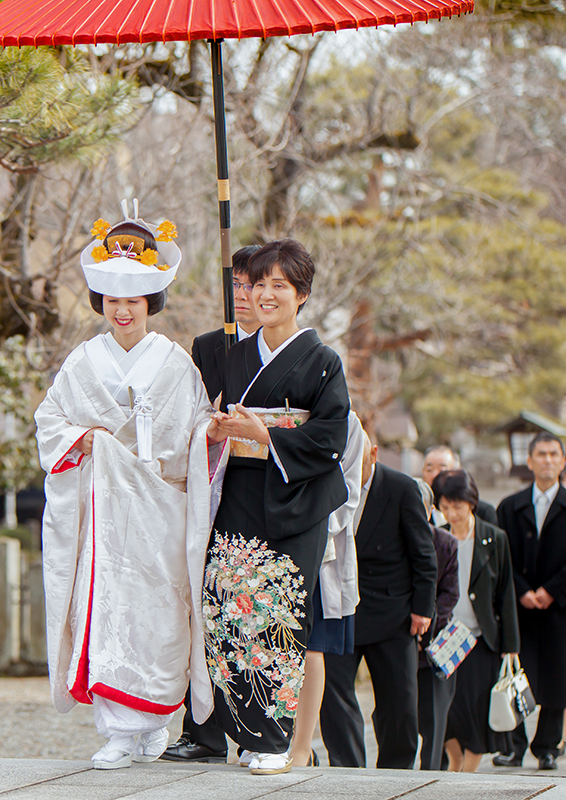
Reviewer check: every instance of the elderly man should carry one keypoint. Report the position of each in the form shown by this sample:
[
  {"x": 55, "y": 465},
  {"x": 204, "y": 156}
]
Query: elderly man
[
  {"x": 438, "y": 458},
  {"x": 397, "y": 583},
  {"x": 535, "y": 521}
]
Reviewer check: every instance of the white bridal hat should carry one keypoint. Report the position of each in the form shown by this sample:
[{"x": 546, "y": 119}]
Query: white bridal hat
[{"x": 127, "y": 271}]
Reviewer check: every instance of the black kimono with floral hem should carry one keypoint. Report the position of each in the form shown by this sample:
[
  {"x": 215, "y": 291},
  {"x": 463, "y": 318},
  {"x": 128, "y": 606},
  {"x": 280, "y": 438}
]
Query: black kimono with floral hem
[{"x": 269, "y": 537}]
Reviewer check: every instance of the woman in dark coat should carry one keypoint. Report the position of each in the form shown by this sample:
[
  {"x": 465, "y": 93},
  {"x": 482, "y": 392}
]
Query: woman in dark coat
[
  {"x": 487, "y": 606},
  {"x": 435, "y": 694}
]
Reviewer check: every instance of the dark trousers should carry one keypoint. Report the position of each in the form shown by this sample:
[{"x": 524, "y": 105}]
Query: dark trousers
[
  {"x": 393, "y": 668},
  {"x": 435, "y": 699},
  {"x": 209, "y": 734},
  {"x": 547, "y": 737}
]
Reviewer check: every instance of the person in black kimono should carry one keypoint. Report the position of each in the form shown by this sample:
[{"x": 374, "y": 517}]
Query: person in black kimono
[{"x": 270, "y": 531}]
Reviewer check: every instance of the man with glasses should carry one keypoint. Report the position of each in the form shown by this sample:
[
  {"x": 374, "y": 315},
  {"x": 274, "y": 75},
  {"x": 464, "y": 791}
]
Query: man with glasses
[
  {"x": 209, "y": 352},
  {"x": 207, "y": 742}
]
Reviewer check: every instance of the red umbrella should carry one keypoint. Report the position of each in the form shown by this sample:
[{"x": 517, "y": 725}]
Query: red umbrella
[{"x": 72, "y": 22}]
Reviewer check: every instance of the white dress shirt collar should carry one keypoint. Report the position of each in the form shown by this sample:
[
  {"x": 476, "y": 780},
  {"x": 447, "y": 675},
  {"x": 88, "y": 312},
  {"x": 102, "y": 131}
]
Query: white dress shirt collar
[
  {"x": 241, "y": 332},
  {"x": 550, "y": 493}
]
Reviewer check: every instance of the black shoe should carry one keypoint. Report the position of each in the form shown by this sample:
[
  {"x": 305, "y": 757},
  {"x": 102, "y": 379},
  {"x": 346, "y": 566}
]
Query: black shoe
[
  {"x": 314, "y": 760},
  {"x": 510, "y": 760},
  {"x": 547, "y": 762},
  {"x": 185, "y": 750}
]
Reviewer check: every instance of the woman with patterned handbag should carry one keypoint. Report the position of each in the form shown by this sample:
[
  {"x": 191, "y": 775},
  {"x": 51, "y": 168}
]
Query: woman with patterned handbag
[{"x": 487, "y": 606}]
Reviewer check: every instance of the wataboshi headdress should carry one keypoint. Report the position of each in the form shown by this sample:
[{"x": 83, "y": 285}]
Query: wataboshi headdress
[{"x": 121, "y": 265}]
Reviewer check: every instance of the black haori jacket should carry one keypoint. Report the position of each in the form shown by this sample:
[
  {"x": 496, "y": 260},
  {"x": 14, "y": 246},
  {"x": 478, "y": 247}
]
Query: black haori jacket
[{"x": 309, "y": 376}]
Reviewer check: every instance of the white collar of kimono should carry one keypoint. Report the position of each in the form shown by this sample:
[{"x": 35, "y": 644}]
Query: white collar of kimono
[
  {"x": 266, "y": 355},
  {"x": 118, "y": 368}
]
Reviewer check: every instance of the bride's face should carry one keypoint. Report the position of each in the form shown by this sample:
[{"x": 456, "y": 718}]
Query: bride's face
[{"x": 127, "y": 315}]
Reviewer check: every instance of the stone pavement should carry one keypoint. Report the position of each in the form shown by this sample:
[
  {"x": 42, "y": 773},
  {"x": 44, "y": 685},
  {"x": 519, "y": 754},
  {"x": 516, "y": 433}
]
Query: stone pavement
[
  {"x": 34, "y": 740},
  {"x": 35, "y": 779}
]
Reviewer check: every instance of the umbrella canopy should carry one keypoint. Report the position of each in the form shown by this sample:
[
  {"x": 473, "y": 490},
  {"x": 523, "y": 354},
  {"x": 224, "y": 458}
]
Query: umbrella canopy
[{"x": 72, "y": 22}]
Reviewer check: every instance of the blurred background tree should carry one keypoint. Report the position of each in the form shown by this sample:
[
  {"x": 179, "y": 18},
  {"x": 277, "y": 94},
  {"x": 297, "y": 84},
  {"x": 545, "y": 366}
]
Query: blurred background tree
[{"x": 424, "y": 167}]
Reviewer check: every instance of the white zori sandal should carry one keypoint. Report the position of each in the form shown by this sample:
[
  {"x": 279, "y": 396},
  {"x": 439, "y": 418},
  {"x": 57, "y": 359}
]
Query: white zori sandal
[
  {"x": 245, "y": 757},
  {"x": 150, "y": 746},
  {"x": 270, "y": 763},
  {"x": 116, "y": 753}
]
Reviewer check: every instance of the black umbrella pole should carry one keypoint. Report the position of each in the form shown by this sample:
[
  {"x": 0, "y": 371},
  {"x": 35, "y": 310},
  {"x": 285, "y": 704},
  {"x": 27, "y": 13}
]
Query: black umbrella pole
[{"x": 223, "y": 192}]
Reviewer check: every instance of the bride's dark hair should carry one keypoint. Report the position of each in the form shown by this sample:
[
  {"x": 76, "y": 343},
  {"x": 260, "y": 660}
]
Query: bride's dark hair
[{"x": 155, "y": 302}]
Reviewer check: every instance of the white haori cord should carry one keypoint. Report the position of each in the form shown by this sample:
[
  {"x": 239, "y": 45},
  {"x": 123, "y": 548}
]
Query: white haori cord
[{"x": 144, "y": 423}]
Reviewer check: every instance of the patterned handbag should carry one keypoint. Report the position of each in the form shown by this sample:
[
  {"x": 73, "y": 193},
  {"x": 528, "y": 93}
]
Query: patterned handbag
[
  {"x": 511, "y": 699},
  {"x": 449, "y": 648}
]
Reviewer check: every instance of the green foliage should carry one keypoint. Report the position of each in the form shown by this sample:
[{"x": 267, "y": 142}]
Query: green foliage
[
  {"x": 53, "y": 107},
  {"x": 18, "y": 456}
]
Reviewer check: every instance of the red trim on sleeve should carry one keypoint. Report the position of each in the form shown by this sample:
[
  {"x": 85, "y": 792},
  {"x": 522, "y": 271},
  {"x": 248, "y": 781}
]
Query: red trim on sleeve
[
  {"x": 63, "y": 465},
  {"x": 132, "y": 702},
  {"x": 212, "y": 473}
]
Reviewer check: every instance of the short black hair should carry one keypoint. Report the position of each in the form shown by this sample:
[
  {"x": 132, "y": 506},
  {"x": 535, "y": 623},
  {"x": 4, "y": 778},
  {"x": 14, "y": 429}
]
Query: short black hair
[
  {"x": 455, "y": 484},
  {"x": 544, "y": 436},
  {"x": 293, "y": 259},
  {"x": 242, "y": 256},
  {"x": 155, "y": 302}
]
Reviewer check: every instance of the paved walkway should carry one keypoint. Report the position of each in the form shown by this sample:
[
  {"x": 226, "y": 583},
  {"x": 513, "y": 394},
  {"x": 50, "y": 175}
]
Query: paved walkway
[
  {"x": 42, "y": 779},
  {"x": 34, "y": 740}
]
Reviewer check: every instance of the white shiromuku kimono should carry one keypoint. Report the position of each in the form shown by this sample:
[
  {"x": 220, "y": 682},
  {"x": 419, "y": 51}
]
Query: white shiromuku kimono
[{"x": 124, "y": 538}]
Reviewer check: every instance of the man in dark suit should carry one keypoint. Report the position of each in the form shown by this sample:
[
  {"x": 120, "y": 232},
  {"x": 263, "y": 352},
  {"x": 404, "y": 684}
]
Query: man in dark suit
[
  {"x": 438, "y": 458},
  {"x": 397, "y": 582},
  {"x": 209, "y": 351},
  {"x": 207, "y": 742},
  {"x": 535, "y": 522}
]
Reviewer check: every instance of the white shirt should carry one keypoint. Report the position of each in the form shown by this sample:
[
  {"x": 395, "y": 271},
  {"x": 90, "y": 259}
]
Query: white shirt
[
  {"x": 541, "y": 507},
  {"x": 240, "y": 332},
  {"x": 363, "y": 497},
  {"x": 464, "y": 610}
]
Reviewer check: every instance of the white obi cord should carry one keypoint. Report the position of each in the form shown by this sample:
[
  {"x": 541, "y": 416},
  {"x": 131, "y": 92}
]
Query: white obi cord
[{"x": 144, "y": 423}]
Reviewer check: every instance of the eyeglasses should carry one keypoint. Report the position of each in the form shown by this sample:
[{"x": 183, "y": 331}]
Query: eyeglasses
[{"x": 247, "y": 287}]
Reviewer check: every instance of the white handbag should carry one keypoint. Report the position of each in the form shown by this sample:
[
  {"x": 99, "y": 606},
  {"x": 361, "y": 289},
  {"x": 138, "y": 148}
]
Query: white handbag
[{"x": 511, "y": 698}]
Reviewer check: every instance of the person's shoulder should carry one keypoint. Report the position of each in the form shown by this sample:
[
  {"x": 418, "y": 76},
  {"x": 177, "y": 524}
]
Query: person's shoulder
[
  {"x": 179, "y": 354},
  {"x": 239, "y": 348},
  {"x": 398, "y": 478},
  {"x": 518, "y": 499},
  {"x": 397, "y": 485},
  {"x": 485, "y": 530},
  {"x": 312, "y": 340},
  {"x": 76, "y": 355},
  {"x": 445, "y": 537},
  {"x": 209, "y": 339}
]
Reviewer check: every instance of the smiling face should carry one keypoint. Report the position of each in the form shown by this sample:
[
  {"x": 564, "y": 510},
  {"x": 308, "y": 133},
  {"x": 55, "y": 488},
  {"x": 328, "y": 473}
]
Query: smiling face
[
  {"x": 275, "y": 299},
  {"x": 128, "y": 317}
]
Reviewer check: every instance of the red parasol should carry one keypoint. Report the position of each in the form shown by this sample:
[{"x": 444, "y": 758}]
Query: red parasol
[{"x": 72, "y": 22}]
